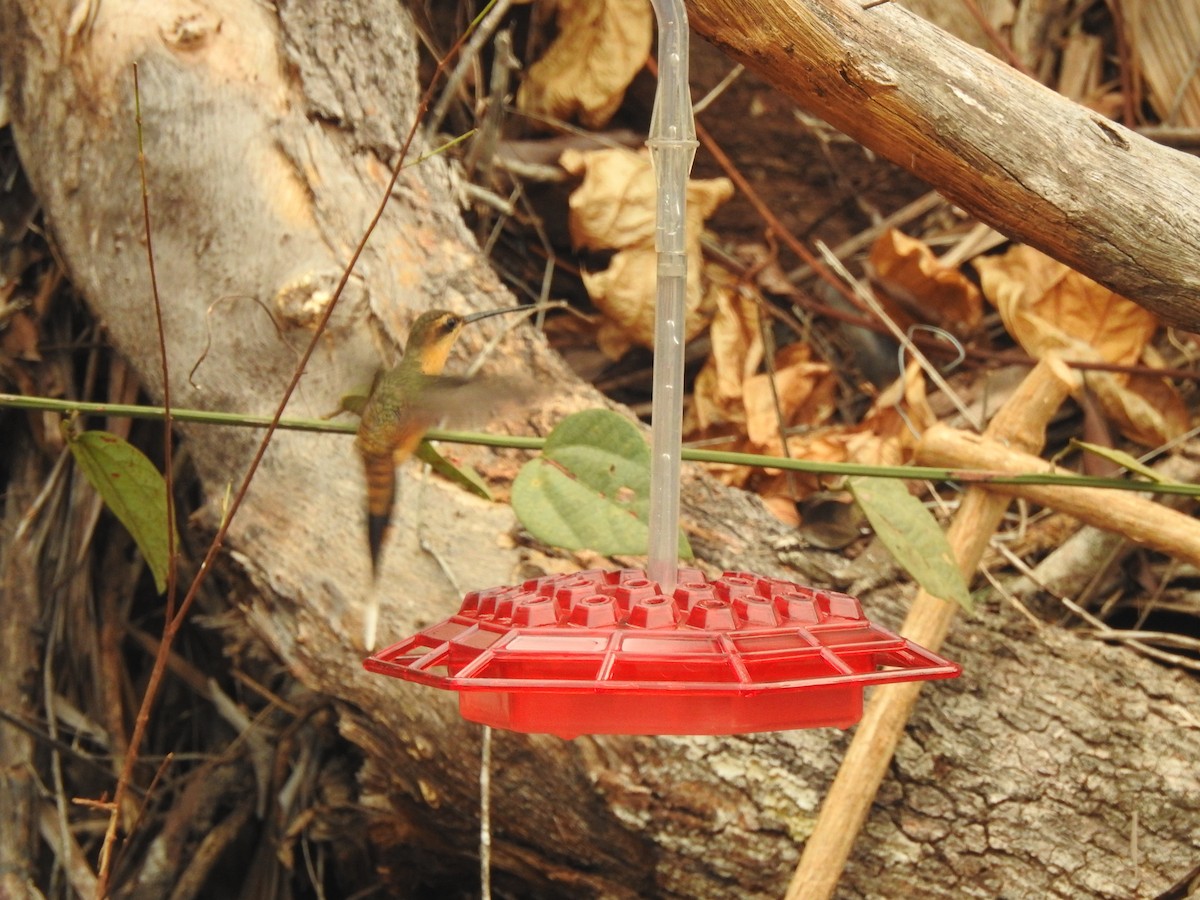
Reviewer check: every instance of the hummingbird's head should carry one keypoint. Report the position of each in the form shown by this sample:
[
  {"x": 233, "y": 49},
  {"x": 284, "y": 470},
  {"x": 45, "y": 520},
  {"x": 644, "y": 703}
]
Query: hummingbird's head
[
  {"x": 432, "y": 336},
  {"x": 434, "y": 333}
]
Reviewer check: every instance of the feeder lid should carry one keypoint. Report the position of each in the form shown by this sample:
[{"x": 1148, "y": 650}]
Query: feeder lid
[{"x": 606, "y": 652}]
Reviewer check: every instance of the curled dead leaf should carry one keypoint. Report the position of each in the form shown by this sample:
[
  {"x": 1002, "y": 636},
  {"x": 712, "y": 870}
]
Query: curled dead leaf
[
  {"x": 885, "y": 436},
  {"x": 614, "y": 209},
  {"x": 804, "y": 390},
  {"x": 1049, "y": 308},
  {"x": 600, "y": 46},
  {"x": 914, "y": 287},
  {"x": 736, "y": 354},
  {"x": 1148, "y": 410},
  {"x": 731, "y": 396}
]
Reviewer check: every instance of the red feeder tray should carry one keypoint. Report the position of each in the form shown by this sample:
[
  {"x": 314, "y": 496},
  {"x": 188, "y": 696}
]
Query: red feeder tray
[{"x": 606, "y": 652}]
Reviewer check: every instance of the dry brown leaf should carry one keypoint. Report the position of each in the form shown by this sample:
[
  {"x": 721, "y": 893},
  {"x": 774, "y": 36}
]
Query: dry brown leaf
[
  {"x": 1148, "y": 410},
  {"x": 804, "y": 388},
  {"x": 1048, "y": 307},
  {"x": 885, "y": 436},
  {"x": 730, "y": 396},
  {"x": 601, "y": 45},
  {"x": 890, "y": 429},
  {"x": 614, "y": 209},
  {"x": 783, "y": 508},
  {"x": 831, "y": 444},
  {"x": 736, "y": 354},
  {"x": 19, "y": 340},
  {"x": 916, "y": 288},
  {"x": 822, "y": 445},
  {"x": 736, "y": 337}
]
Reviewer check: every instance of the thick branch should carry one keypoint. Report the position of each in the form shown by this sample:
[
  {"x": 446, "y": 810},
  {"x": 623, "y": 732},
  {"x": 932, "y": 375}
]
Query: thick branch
[
  {"x": 1036, "y": 166},
  {"x": 1136, "y": 518}
]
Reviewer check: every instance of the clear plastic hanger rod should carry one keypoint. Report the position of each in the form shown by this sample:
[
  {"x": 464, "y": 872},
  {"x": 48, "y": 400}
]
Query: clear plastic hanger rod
[{"x": 672, "y": 144}]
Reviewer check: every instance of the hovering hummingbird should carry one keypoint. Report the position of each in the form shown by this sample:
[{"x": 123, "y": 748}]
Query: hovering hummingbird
[{"x": 405, "y": 402}]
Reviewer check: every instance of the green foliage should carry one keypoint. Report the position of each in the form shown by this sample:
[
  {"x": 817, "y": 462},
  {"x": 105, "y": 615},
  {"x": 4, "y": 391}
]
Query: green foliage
[
  {"x": 465, "y": 477},
  {"x": 912, "y": 535},
  {"x": 1122, "y": 459},
  {"x": 590, "y": 487},
  {"x": 133, "y": 489}
]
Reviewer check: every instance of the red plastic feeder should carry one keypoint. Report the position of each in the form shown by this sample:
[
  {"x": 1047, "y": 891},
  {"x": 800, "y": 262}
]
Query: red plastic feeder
[{"x": 606, "y": 652}]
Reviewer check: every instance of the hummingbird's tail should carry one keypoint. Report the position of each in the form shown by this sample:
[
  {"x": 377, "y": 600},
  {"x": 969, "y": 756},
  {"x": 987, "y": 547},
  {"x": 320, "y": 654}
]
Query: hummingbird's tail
[
  {"x": 381, "y": 494},
  {"x": 377, "y": 528}
]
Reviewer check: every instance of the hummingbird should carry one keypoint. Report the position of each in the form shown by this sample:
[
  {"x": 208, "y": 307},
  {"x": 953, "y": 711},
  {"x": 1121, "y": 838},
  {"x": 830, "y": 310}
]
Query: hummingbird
[{"x": 405, "y": 402}]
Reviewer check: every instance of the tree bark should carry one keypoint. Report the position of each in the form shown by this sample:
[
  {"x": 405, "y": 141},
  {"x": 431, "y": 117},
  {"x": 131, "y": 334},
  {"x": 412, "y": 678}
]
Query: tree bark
[
  {"x": 268, "y": 138},
  {"x": 1031, "y": 163}
]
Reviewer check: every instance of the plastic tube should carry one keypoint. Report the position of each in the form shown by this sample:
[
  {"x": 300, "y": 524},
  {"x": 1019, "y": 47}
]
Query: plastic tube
[{"x": 672, "y": 146}]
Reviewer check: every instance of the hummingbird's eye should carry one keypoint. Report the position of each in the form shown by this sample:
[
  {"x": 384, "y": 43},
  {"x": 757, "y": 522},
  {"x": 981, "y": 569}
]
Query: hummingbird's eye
[{"x": 450, "y": 323}]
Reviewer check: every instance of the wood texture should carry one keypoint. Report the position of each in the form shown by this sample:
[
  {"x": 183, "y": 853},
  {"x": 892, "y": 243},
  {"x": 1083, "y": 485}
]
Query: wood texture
[
  {"x": 1137, "y": 518},
  {"x": 1021, "y": 422},
  {"x": 1032, "y": 164},
  {"x": 268, "y": 137}
]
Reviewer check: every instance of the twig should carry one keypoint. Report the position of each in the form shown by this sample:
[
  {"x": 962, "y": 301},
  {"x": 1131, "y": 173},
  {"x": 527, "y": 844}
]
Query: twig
[
  {"x": 126, "y": 774},
  {"x": 72, "y": 858},
  {"x": 480, "y": 159},
  {"x": 168, "y": 425},
  {"x": 905, "y": 214},
  {"x": 1022, "y": 420},
  {"x": 480, "y": 30},
  {"x": 56, "y": 769},
  {"x": 1135, "y": 639},
  {"x": 871, "y": 303},
  {"x": 1140, "y": 520},
  {"x": 721, "y": 87},
  {"x": 1012, "y": 599},
  {"x": 543, "y": 297},
  {"x": 207, "y": 855},
  {"x": 485, "y": 814}
]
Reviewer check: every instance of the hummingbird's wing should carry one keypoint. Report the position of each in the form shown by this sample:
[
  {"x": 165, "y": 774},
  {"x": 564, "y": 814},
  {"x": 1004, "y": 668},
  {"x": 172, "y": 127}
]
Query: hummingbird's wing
[{"x": 451, "y": 400}]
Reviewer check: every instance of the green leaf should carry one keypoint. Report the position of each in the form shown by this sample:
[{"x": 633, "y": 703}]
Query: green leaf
[
  {"x": 1122, "y": 459},
  {"x": 590, "y": 487},
  {"x": 133, "y": 489},
  {"x": 464, "y": 477},
  {"x": 912, "y": 535}
]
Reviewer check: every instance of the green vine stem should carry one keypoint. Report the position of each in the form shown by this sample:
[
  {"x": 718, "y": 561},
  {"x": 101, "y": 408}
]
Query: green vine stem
[{"x": 972, "y": 476}]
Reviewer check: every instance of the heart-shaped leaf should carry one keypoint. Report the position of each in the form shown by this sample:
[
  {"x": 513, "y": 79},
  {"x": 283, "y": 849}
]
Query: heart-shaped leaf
[{"x": 590, "y": 487}]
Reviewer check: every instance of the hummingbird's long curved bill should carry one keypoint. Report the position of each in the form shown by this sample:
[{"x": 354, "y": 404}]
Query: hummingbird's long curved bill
[{"x": 488, "y": 313}]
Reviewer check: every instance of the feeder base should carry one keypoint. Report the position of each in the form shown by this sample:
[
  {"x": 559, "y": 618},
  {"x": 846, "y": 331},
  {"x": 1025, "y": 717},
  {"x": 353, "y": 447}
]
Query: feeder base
[{"x": 606, "y": 652}]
